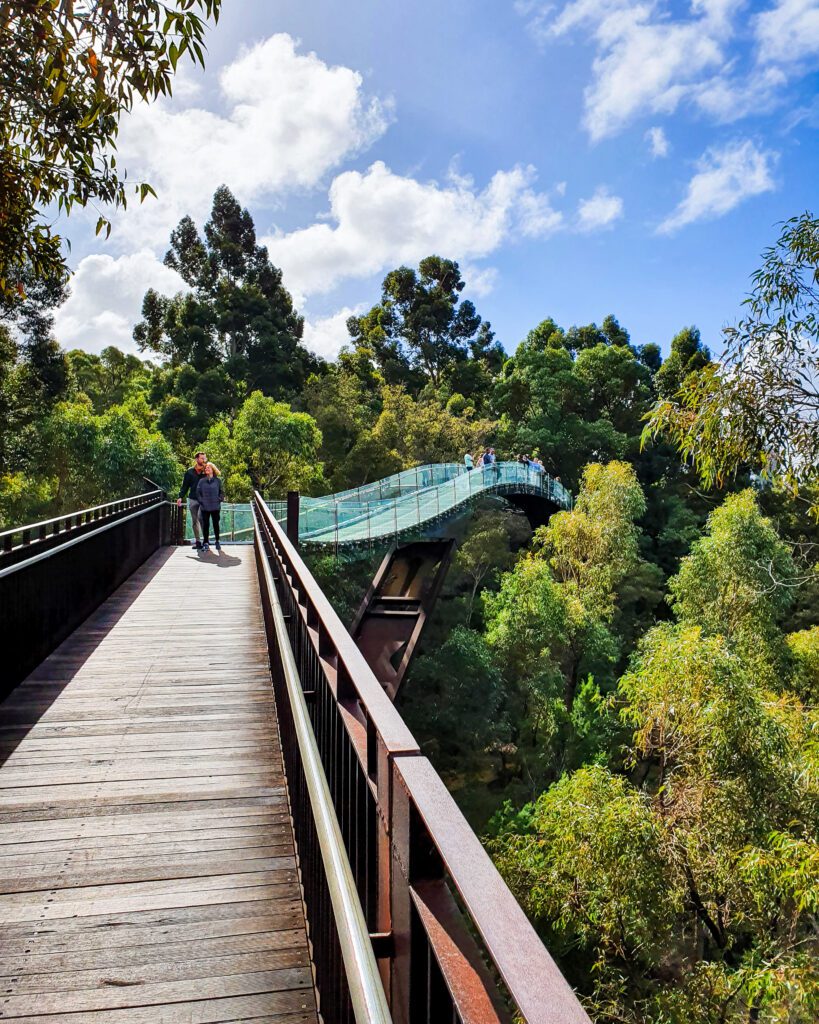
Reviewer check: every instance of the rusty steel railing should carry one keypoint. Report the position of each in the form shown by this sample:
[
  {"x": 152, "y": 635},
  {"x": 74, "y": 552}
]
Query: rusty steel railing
[{"x": 451, "y": 942}]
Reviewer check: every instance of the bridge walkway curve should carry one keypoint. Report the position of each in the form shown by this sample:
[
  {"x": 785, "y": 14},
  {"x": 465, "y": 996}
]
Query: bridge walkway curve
[
  {"x": 147, "y": 863},
  {"x": 409, "y": 504}
]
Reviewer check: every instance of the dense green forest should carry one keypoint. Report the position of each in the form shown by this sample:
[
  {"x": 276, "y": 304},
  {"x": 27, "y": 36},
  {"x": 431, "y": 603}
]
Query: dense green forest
[{"x": 624, "y": 702}]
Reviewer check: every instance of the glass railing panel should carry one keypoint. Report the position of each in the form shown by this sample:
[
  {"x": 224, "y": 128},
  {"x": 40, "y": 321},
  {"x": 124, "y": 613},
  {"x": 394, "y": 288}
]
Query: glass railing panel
[
  {"x": 236, "y": 522},
  {"x": 396, "y": 505}
]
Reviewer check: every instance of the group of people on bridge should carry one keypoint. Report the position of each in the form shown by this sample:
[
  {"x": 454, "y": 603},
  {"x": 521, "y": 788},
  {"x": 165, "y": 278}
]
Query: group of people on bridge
[
  {"x": 488, "y": 458},
  {"x": 202, "y": 484}
]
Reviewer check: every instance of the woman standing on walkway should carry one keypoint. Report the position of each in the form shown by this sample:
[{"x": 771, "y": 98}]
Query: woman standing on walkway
[{"x": 210, "y": 494}]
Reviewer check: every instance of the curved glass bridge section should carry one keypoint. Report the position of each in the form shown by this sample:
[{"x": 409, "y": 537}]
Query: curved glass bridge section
[{"x": 405, "y": 504}]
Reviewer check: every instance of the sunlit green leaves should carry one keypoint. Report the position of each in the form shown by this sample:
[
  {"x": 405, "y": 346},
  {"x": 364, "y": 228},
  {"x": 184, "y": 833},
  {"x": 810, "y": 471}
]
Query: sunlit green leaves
[
  {"x": 759, "y": 407},
  {"x": 67, "y": 72},
  {"x": 591, "y": 868},
  {"x": 594, "y": 546},
  {"x": 738, "y": 581},
  {"x": 278, "y": 447}
]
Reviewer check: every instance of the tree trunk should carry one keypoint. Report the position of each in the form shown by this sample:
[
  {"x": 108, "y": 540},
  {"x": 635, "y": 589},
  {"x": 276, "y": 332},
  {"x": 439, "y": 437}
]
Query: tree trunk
[
  {"x": 570, "y": 686},
  {"x": 476, "y": 581},
  {"x": 716, "y": 934}
]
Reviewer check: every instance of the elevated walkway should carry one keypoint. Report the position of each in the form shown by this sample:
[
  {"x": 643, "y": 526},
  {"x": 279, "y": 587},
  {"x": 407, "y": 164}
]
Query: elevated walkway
[
  {"x": 211, "y": 811},
  {"x": 409, "y": 504},
  {"x": 147, "y": 860}
]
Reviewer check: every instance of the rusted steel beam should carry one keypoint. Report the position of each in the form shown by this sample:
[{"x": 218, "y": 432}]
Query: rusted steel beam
[
  {"x": 456, "y": 954},
  {"x": 397, "y": 606},
  {"x": 540, "y": 992}
]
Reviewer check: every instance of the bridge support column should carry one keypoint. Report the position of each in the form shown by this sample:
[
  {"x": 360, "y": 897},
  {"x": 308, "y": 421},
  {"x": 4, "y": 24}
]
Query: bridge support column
[
  {"x": 293, "y": 518},
  {"x": 391, "y": 619}
]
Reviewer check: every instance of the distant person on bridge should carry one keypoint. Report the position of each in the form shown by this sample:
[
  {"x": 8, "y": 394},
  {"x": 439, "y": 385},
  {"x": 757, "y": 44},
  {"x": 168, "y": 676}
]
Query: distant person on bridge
[
  {"x": 190, "y": 481},
  {"x": 468, "y": 462},
  {"x": 211, "y": 494}
]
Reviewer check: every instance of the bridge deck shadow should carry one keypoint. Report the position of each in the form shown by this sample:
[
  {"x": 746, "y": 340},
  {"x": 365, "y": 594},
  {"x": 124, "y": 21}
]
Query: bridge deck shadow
[
  {"x": 147, "y": 864},
  {"x": 27, "y": 703}
]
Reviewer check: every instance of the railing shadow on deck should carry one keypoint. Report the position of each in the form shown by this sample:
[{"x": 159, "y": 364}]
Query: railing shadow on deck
[
  {"x": 451, "y": 941},
  {"x": 45, "y": 595},
  {"x": 22, "y": 711}
]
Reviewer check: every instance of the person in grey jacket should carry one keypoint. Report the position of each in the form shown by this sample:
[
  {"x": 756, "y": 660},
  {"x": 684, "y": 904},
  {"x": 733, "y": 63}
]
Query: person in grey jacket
[
  {"x": 190, "y": 482},
  {"x": 210, "y": 494}
]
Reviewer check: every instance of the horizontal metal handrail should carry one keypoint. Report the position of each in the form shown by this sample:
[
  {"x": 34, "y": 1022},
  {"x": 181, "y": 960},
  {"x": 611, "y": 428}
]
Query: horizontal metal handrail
[
  {"x": 367, "y": 994},
  {"x": 81, "y": 539},
  {"x": 80, "y": 512}
]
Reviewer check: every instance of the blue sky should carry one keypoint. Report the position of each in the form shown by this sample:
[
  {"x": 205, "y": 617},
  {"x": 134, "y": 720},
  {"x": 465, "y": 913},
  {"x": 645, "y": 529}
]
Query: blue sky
[{"x": 578, "y": 159}]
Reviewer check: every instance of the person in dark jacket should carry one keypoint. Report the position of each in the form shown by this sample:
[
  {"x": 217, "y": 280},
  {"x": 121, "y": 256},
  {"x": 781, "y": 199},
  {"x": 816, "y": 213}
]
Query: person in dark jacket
[
  {"x": 210, "y": 494},
  {"x": 190, "y": 481}
]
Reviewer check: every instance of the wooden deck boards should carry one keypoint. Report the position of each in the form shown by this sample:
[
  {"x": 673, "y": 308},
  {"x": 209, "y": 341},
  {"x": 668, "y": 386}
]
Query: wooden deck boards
[{"x": 147, "y": 866}]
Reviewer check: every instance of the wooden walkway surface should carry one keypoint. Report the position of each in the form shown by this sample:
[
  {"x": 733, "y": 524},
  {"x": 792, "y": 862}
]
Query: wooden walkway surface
[{"x": 147, "y": 867}]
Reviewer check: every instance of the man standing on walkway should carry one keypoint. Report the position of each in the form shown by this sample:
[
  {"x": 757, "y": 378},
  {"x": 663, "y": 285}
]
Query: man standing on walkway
[{"x": 190, "y": 481}]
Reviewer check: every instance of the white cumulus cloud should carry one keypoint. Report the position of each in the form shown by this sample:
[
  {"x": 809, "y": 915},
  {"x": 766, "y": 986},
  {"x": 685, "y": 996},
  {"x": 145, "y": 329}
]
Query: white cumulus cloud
[
  {"x": 658, "y": 142},
  {"x": 106, "y": 299},
  {"x": 326, "y": 335},
  {"x": 645, "y": 61},
  {"x": 480, "y": 281},
  {"x": 379, "y": 219},
  {"x": 725, "y": 177},
  {"x": 599, "y": 211},
  {"x": 726, "y": 98},
  {"x": 789, "y": 31},
  {"x": 649, "y": 60},
  {"x": 288, "y": 119}
]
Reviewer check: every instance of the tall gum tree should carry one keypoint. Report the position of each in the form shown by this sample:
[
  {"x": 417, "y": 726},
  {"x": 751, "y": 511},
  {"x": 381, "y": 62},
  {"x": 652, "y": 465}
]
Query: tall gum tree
[
  {"x": 237, "y": 321},
  {"x": 422, "y": 331}
]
